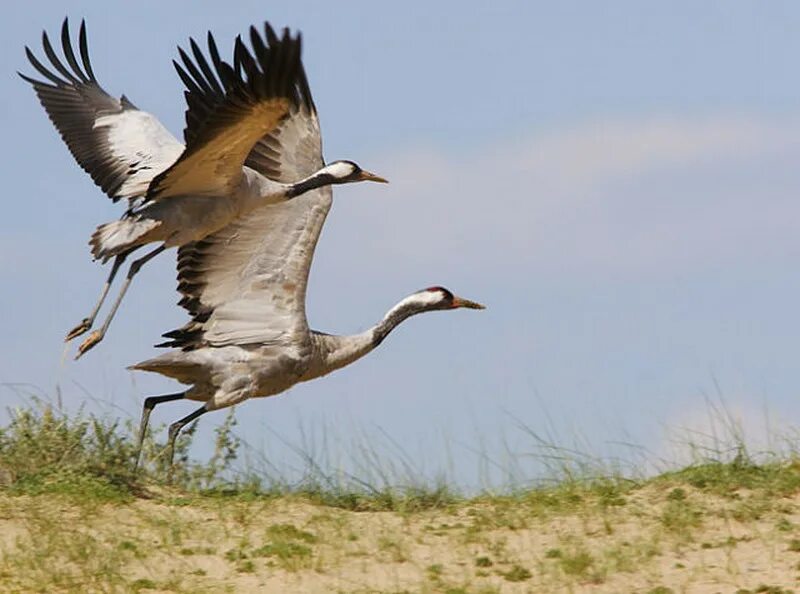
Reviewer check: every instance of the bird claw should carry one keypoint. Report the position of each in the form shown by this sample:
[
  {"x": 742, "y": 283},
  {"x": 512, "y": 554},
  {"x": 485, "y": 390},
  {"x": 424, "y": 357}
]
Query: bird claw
[
  {"x": 85, "y": 324},
  {"x": 90, "y": 341}
]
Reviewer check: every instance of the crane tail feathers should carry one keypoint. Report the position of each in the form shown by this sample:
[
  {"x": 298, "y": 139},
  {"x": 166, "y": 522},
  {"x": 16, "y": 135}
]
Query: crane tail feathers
[
  {"x": 116, "y": 237},
  {"x": 177, "y": 365}
]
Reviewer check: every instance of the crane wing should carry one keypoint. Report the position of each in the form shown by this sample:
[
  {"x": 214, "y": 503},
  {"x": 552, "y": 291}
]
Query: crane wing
[
  {"x": 230, "y": 108},
  {"x": 246, "y": 284},
  {"x": 119, "y": 146}
]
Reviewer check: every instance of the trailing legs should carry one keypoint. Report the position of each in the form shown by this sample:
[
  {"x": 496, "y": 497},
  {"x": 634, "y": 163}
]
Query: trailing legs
[
  {"x": 174, "y": 429},
  {"x": 87, "y": 322},
  {"x": 149, "y": 404},
  {"x": 98, "y": 335}
]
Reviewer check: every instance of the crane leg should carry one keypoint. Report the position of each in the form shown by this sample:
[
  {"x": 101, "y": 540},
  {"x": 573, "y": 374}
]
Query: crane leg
[
  {"x": 98, "y": 335},
  {"x": 174, "y": 429},
  {"x": 149, "y": 404},
  {"x": 87, "y": 322}
]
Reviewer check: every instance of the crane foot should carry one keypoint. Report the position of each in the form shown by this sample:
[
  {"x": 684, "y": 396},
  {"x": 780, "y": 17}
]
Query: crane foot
[
  {"x": 85, "y": 324},
  {"x": 90, "y": 341}
]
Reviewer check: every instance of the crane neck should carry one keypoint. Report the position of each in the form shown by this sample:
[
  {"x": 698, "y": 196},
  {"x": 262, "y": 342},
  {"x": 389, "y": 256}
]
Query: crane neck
[
  {"x": 393, "y": 318},
  {"x": 312, "y": 182},
  {"x": 334, "y": 352},
  {"x": 259, "y": 190}
]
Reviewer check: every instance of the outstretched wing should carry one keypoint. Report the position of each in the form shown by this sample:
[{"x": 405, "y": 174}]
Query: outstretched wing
[
  {"x": 119, "y": 146},
  {"x": 230, "y": 108},
  {"x": 246, "y": 284}
]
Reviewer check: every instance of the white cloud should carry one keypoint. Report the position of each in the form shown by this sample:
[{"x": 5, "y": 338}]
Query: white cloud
[
  {"x": 608, "y": 150},
  {"x": 656, "y": 194}
]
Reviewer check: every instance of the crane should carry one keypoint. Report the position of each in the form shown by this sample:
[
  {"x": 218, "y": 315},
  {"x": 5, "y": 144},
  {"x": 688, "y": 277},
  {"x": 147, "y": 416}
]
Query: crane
[
  {"x": 245, "y": 290},
  {"x": 180, "y": 193}
]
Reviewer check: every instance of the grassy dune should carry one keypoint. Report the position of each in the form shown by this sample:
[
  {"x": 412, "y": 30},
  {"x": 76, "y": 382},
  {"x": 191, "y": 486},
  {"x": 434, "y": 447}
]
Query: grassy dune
[{"x": 73, "y": 518}]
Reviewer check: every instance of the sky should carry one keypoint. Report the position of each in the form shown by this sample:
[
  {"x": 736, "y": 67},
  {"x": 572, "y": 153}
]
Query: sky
[{"x": 616, "y": 181}]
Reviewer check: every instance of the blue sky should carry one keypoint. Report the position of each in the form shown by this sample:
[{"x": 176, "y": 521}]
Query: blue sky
[{"x": 617, "y": 181}]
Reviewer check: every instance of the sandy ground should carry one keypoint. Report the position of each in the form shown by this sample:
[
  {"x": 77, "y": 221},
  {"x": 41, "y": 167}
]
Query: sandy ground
[{"x": 651, "y": 541}]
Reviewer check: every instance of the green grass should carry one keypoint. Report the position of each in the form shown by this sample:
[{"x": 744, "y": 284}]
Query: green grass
[
  {"x": 46, "y": 451},
  {"x": 576, "y": 563},
  {"x": 43, "y": 450},
  {"x": 517, "y": 573},
  {"x": 73, "y": 470},
  {"x": 726, "y": 478}
]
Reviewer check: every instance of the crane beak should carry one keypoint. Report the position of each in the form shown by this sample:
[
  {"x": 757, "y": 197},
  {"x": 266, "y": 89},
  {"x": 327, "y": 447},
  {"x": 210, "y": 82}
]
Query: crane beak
[
  {"x": 369, "y": 176},
  {"x": 459, "y": 302}
]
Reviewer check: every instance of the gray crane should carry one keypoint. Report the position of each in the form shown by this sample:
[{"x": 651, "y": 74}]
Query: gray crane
[
  {"x": 245, "y": 290},
  {"x": 180, "y": 193}
]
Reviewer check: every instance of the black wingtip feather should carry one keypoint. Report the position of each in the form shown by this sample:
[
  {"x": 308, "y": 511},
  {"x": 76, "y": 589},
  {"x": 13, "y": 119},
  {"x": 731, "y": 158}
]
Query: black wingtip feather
[
  {"x": 201, "y": 86},
  {"x": 259, "y": 48},
  {"x": 55, "y": 61},
  {"x": 213, "y": 51},
  {"x": 42, "y": 69},
  {"x": 69, "y": 54},
  {"x": 203, "y": 64},
  {"x": 237, "y": 58},
  {"x": 269, "y": 33},
  {"x": 187, "y": 80},
  {"x": 83, "y": 46},
  {"x": 245, "y": 60}
]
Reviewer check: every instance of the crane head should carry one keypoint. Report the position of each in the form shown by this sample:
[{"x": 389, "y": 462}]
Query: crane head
[
  {"x": 441, "y": 298},
  {"x": 346, "y": 172}
]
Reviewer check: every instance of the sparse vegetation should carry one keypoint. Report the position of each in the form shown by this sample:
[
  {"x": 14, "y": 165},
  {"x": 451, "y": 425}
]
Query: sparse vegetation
[
  {"x": 517, "y": 573},
  {"x": 75, "y": 518},
  {"x": 576, "y": 563}
]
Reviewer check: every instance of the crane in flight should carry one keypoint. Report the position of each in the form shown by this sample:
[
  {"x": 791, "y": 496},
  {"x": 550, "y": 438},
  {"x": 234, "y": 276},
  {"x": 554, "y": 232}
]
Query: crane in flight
[
  {"x": 180, "y": 193},
  {"x": 245, "y": 290}
]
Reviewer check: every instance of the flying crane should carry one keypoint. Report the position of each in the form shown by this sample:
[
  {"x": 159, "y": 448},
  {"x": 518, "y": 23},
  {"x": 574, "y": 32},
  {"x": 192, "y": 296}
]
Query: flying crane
[{"x": 179, "y": 193}]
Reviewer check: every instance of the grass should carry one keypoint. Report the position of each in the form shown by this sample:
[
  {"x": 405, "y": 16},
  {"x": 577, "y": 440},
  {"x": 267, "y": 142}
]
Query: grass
[{"x": 75, "y": 518}]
